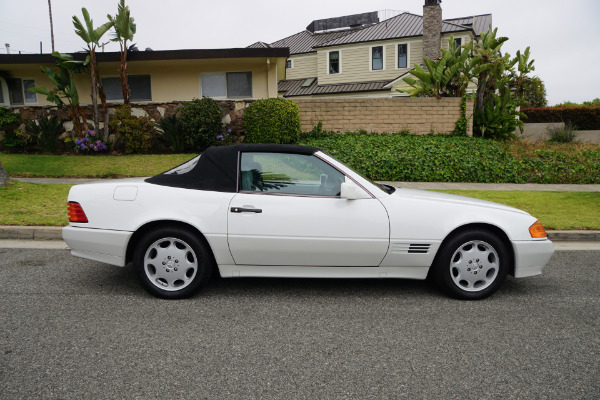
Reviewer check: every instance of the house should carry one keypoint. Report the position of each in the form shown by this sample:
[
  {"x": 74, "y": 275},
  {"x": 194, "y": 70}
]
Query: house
[
  {"x": 155, "y": 76},
  {"x": 366, "y": 55}
]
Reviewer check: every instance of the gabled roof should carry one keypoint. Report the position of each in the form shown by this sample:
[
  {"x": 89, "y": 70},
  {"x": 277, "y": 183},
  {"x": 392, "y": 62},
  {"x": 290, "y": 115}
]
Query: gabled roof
[
  {"x": 293, "y": 87},
  {"x": 479, "y": 23},
  {"x": 403, "y": 25},
  {"x": 306, "y": 41},
  {"x": 400, "y": 26}
]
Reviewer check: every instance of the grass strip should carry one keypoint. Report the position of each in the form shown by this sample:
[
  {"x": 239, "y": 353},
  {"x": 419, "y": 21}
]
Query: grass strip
[
  {"x": 555, "y": 210},
  {"x": 34, "y": 204},
  {"x": 81, "y": 166},
  {"x": 46, "y": 205}
]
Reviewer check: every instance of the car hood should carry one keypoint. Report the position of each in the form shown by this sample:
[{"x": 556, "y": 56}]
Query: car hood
[{"x": 451, "y": 198}]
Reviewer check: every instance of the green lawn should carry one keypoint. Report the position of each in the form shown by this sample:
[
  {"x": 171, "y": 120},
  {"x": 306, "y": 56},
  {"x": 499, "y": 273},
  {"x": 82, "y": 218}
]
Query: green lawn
[
  {"x": 79, "y": 166},
  {"x": 555, "y": 210},
  {"x": 35, "y": 204}
]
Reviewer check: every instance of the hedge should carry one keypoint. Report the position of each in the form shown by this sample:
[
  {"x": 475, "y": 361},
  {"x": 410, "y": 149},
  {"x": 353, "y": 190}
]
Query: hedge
[
  {"x": 584, "y": 117},
  {"x": 411, "y": 158}
]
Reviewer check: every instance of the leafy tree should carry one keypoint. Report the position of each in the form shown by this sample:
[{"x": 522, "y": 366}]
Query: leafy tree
[
  {"x": 65, "y": 92},
  {"x": 125, "y": 28},
  {"x": 91, "y": 36},
  {"x": 533, "y": 92}
]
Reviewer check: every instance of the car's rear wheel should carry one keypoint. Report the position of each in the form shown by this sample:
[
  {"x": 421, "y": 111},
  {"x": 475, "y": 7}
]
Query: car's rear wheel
[
  {"x": 172, "y": 263},
  {"x": 472, "y": 265}
]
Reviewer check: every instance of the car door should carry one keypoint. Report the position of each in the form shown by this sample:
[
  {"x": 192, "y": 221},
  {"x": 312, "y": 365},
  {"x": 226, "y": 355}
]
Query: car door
[{"x": 288, "y": 212}]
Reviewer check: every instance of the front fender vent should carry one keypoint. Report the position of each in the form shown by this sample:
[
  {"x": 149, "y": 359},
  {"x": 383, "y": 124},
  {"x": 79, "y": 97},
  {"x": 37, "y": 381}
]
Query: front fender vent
[{"x": 411, "y": 248}]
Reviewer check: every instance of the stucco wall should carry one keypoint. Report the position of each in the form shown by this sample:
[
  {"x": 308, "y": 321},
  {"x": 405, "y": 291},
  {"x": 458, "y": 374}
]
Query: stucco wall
[{"x": 418, "y": 115}]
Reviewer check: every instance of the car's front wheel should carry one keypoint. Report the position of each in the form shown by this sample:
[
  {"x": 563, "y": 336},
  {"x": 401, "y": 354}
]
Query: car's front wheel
[
  {"x": 472, "y": 265},
  {"x": 172, "y": 263}
]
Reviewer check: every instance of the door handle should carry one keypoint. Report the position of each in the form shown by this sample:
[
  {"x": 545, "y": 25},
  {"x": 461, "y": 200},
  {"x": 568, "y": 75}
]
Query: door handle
[{"x": 242, "y": 209}]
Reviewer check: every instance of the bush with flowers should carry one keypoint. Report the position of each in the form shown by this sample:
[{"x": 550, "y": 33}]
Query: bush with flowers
[{"x": 90, "y": 143}]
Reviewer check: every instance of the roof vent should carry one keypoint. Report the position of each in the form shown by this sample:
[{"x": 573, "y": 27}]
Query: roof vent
[{"x": 346, "y": 21}]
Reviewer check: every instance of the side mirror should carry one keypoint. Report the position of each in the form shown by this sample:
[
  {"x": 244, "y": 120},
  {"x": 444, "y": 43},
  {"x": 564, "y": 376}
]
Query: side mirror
[{"x": 351, "y": 191}]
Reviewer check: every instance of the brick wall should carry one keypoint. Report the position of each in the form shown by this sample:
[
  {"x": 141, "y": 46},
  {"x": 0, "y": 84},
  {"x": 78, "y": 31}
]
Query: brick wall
[{"x": 418, "y": 115}]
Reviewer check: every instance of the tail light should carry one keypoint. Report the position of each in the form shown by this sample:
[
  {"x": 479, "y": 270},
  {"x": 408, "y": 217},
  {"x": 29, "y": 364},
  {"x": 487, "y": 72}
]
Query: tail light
[
  {"x": 537, "y": 230},
  {"x": 76, "y": 213}
]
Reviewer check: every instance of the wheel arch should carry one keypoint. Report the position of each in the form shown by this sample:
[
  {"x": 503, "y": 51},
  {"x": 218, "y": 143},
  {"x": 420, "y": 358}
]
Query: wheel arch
[
  {"x": 483, "y": 226},
  {"x": 149, "y": 226}
]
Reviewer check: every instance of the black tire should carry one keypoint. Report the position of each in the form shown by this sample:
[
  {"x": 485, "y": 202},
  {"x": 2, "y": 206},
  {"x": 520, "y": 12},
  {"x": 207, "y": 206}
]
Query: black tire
[
  {"x": 471, "y": 265},
  {"x": 172, "y": 263}
]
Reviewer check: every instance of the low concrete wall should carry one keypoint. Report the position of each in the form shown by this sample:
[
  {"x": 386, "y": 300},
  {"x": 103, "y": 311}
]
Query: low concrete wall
[
  {"x": 538, "y": 132},
  {"x": 417, "y": 115}
]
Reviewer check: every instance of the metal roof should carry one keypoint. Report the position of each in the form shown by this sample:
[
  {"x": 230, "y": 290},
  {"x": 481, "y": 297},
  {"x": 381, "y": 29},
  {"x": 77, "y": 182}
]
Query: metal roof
[
  {"x": 403, "y": 25},
  {"x": 479, "y": 23},
  {"x": 305, "y": 41},
  {"x": 294, "y": 87}
]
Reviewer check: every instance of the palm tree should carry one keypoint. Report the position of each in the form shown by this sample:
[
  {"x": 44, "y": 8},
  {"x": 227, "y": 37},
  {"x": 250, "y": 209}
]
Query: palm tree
[
  {"x": 91, "y": 37},
  {"x": 124, "y": 26},
  {"x": 51, "y": 24}
]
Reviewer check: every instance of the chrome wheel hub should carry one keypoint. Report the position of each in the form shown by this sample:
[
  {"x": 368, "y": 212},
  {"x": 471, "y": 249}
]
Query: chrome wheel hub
[
  {"x": 474, "y": 266},
  {"x": 170, "y": 264}
]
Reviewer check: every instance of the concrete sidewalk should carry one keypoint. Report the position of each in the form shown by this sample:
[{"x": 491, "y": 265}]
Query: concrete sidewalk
[{"x": 411, "y": 185}]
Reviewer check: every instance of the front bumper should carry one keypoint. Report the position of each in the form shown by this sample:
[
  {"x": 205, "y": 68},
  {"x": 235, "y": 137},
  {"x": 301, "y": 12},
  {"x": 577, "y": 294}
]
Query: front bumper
[
  {"x": 97, "y": 244},
  {"x": 531, "y": 256}
]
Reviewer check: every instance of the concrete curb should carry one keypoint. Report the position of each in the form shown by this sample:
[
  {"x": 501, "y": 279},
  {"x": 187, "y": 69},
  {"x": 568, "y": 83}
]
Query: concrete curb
[{"x": 55, "y": 233}]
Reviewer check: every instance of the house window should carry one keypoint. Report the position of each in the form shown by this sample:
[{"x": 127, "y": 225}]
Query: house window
[
  {"x": 458, "y": 42},
  {"x": 1, "y": 93},
  {"x": 402, "y": 55},
  {"x": 288, "y": 64},
  {"x": 377, "y": 58},
  {"x": 227, "y": 85},
  {"x": 140, "y": 88},
  {"x": 334, "y": 62},
  {"x": 18, "y": 90}
]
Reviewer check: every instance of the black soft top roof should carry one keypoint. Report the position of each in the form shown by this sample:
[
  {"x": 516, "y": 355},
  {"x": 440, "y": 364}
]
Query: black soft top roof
[{"x": 217, "y": 167}]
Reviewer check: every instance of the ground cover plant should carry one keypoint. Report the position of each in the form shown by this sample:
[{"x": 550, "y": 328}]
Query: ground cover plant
[{"x": 404, "y": 157}]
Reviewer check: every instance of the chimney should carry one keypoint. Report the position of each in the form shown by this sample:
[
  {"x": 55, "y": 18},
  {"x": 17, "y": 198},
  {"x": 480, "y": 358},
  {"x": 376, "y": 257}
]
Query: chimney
[{"x": 432, "y": 29}]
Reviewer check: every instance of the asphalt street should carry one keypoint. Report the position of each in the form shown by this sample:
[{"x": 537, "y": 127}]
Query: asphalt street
[{"x": 77, "y": 329}]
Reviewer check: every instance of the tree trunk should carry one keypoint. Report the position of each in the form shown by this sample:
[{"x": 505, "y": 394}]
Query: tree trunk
[
  {"x": 124, "y": 84},
  {"x": 93, "y": 74},
  {"x": 4, "y": 178},
  {"x": 105, "y": 112}
]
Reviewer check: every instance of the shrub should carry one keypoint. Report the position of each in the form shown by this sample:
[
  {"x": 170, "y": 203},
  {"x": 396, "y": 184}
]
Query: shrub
[
  {"x": 18, "y": 140},
  {"x": 174, "y": 132},
  {"x": 201, "y": 120},
  {"x": 88, "y": 143},
  {"x": 8, "y": 118},
  {"x": 135, "y": 134},
  {"x": 562, "y": 134},
  {"x": 272, "y": 121},
  {"x": 47, "y": 130},
  {"x": 584, "y": 117},
  {"x": 411, "y": 158}
]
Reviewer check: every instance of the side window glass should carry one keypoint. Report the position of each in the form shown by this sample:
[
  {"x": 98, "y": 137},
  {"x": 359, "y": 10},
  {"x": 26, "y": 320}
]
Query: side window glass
[{"x": 299, "y": 174}]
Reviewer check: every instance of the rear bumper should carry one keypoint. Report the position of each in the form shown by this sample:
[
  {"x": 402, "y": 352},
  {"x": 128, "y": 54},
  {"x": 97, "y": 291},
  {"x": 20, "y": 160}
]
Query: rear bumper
[
  {"x": 97, "y": 244},
  {"x": 531, "y": 256}
]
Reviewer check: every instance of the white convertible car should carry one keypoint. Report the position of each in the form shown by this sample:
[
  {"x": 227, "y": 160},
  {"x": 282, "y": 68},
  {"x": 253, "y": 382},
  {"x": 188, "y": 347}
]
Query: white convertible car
[{"x": 293, "y": 211}]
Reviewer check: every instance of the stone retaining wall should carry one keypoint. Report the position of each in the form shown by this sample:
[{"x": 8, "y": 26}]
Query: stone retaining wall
[
  {"x": 232, "y": 112},
  {"x": 418, "y": 115}
]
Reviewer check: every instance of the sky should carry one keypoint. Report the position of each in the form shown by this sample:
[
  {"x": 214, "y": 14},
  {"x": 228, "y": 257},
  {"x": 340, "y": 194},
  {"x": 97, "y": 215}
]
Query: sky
[{"x": 564, "y": 36}]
